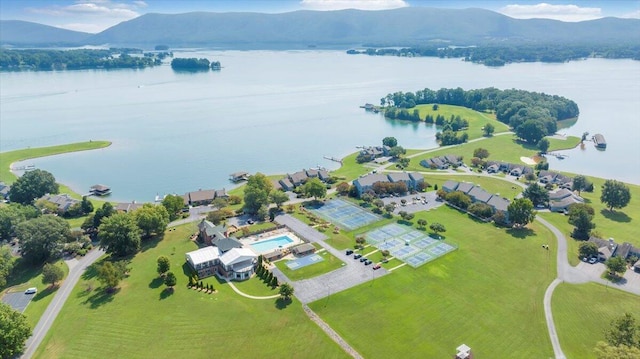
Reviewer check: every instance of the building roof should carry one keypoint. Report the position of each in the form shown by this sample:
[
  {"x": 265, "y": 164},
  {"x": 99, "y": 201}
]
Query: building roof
[
  {"x": 100, "y": 187},
  {"x": 237, "y": 255},
  {"x": 306, "y": 247},
  {"x": 226, "y": 243},
  {"x": 312, "y": 173},
  {"x": 211, "y": 230},
  {"x": 416, "y": 176},
  {"x": 452, "y": 158},
  {"x": 450, "y": 186},
  {"x": 298, "y": 177},
  {"x": 564, "y": 203},
  {"x": 62, "y": 201},
  {"x": 202, "y": 195},
  {"x": 128, "y": 207},
  {"x": 271, "y": 255},
  {"x": 465, "y": 187},
  {"x": 324, "y": 174},
  {"x": 220, "y": 193},
  {"x": 479, "y": 194},
  {"x": 203, "y": 255},
  {"x": 239, "y": 174},
  {"x": 370, "y": 179},
  {"x": 399, "y": 177},
  {"x": 276, "y": 184},
  {"x": 559, "y": 194},
  {"x": 498, "y": 203}
]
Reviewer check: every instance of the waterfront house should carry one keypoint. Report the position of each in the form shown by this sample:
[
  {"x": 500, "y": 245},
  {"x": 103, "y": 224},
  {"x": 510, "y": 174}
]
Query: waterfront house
[
  {"x": 311, "y": 173},
  {"x": 221, "y": 193},
  {"x": 128, "y": 207},
  {"x": 298, "y": 178},
  {"x": 286, "y": 184},
  {"x": 276, "y": 185},
  {"x": 324, "y": 175},
  {"x": 366, "y": 182},
  {"x": 63, "y": 202},
  {"x": 200, "y": 197}
]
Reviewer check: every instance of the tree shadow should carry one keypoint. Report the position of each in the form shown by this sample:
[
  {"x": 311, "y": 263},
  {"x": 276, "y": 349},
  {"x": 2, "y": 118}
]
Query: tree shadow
[
  {"x": 615, "y": 216},
  {"x": 282, "y": 303},
  {"x": 405, "y": 222},
  {"x": 101, "y": 297},
  {"x": 166, "y": 293},
  {"x": 186, "y": 270},
  {"x": 91, "y": 271},
  {"x": 614, "y": 278},
  {"x": 156, "y": 282},
  {"x": 521, "y": 233},
  {"x": 151, "y": 242},
  {"x": 45, "y": 293}
]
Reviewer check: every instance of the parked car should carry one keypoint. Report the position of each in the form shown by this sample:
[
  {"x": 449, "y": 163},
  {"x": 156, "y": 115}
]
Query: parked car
[
  {"x": 357, "y": 255},
  {"x": 349, "y": 252},
  {"x": 376, "y": 267},
  {"x": 367, "y": 262},
  {"x": 32, "y": 290},
  {"x": 593, "y": 260},
  {"x": 250, "y": 221},
  {"x": 363, "y": 259}
]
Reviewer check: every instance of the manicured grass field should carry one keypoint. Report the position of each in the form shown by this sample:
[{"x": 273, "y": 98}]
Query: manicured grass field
[
  {"x": 330, "y": 263},
  {"x": 487, "y": 294},
  {"x": 583, "y": 312},
  {"x": 256, "y": 286},
  {"x": 476, "y": 119},
  {"x": 351, "y": 169},
  {"x": 26, "y": 276},
  {"x": 7, "y": 158},
  {"x": 496, "y": 146},
  {"x": 144, "y": 321}
]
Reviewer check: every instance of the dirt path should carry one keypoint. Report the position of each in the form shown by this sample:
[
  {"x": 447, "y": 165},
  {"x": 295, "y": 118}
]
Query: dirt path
[{"x": 331, "y": 333}]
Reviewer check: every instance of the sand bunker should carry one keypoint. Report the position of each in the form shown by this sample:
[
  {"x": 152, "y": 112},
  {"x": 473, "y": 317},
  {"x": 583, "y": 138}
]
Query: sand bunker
[{"x": 528, "y": 160}]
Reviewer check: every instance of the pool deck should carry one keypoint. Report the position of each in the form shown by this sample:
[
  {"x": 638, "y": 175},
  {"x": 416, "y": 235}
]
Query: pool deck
[{"x": 248, "y": 241}]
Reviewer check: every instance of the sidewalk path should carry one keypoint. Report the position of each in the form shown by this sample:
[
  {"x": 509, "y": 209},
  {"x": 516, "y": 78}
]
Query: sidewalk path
[
  {"x": 331, "y": 333},
  {"x": 50, "y": 314},
  {"x": 247, "y": 295}
]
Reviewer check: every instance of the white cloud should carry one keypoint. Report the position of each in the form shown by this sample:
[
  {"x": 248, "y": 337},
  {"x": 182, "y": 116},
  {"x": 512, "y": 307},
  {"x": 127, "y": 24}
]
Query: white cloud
[
  {"x": 91, "y": 15},
  {"x": 632, "y": 15},
  {"x": 569, "y": 13},
  {"x": 325, "y": 5}
]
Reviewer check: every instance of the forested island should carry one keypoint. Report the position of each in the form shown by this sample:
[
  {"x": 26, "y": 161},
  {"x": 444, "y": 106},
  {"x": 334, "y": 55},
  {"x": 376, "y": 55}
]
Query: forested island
[
  {"x": 80, "y": 59},
  {"x": 496, "y": 55},
  {"x": 194, "y": 64},
  {"x": 532, "y": 115}
]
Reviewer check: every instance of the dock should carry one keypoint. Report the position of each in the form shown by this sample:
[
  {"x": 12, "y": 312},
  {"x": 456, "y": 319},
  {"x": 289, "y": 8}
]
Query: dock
[
  {"x": 599, "y": 140},
  {"x": 333, "y": 159},
  {"x": 100, "y": 190}
]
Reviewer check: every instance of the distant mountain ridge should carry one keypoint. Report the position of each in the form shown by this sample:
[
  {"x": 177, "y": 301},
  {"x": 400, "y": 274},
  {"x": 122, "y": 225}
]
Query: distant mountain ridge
[
  {"x": 345, "y": 28},
  {"x": 24, "y": 33}
]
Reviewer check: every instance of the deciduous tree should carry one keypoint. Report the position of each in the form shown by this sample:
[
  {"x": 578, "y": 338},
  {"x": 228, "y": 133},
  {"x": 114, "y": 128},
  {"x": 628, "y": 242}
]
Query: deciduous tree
[
  {"x": 314, "y": 188},
  {"x": 119, "y": 235},
  {"x": 521, "y": 212},
  {"x": 286, "y": 291},
  {"x": 437, "y": 228},
  {"x": 42, "y": 238},
  {"x": 173, "y": 204},
  {"x": 278, "y": 197},
  {"x": 170, "y": 280},
  {"x": 580, "y": 216},
  {"x": 624, "y": 331},
  {"x": 109, "y": 275},
  {"x": 51, "y": 274},
  {"x": 256, "y": 193},
  {"x": 422, "y": 223},
  {"x": 616, "y": 265},
  {"x": 33, "y": 184},
  {"x": 14, "y": 331},
  {"x": 580, "y": 183},
  {"x": 164, "y": 264},
  {"x": 543, "y": 145},
  {"x": 615, "y": 194},
  {"x": 151, "y": 219},
  {"x": 537, "y": 194},
  {"x": 6, "y": 264},
  {"x": 587, "y": 250},
  {"x": 481, "y": 153},
  {"x": 390, "y": 141},
  {"x": 488, "y": 130}
]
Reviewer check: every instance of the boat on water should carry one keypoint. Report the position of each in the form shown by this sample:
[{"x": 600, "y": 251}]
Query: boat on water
[{"x": 599, "y": 140}]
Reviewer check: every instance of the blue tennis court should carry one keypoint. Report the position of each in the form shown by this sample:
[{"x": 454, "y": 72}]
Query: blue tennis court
[
  {"x": 304, "y": 261},
  {"x": 411, "y": 246},
  {"x": 345, "y": 214}
]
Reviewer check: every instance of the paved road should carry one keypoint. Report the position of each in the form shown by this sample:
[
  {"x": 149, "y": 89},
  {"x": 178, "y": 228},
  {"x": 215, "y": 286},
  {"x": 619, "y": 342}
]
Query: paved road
[{"x": 50, "y": 314}]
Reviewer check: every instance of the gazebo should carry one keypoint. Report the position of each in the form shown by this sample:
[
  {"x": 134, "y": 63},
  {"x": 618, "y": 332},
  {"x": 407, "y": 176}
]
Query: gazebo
[{"x": 464, "y": 352}]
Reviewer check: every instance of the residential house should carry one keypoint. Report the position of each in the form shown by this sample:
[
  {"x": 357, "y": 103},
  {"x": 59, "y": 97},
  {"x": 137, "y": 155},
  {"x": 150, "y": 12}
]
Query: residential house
[
  {"x": 221, "y": 193},
  {"x": 547, "y": 177},
  {"x": 442, "y": 162},
  {"x": 478, "y": 194},
  {"x": 493, "y": 168},
  {"x": 303, "y": 249},
  {"x": 128, "y": 207},
  {"x": 465, "y": 187},
  {"x": 298, "y": 178},
  {"x": 62, "y": 201},
  {"x": 276, "y": 185},
  {"x": 200, "y": 197},
  {"x": 606, "y": 248},
  {"x": 560, "y": 200},
  {"x": 237, "y": 263},
  {"x": 416, "y": 179},
  {"x": 366, "y": 182},
  {"x": 312, "y": 173},
  {"x": 324, "y": 175},
  {"x": 454, "y": 160},
  {"x": 396, "y": 177},
  {"x": 499, "y": 203},
  {"x": 450, "y": 186},
  {"x": 286, "y": 184},
  {"x": 209, "y": 233},
  {"x": 4, "y": 191}
]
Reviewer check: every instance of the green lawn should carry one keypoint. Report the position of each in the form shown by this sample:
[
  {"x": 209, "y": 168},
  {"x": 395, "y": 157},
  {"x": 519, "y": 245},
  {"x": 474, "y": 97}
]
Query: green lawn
[
  {"x": 330, "y": 263},
  {"x": 26, "y": 276},
  {"x": 496, "y": 146},
  {"x": 256, "y": 286},
  {"x": 488, "y": 294},
  {"x": 143, "y": 321},
  {"x": 350, "y": 169},
  {"x": 476, "y": 119},
  {"x": 7, "y": 158},
  {"x": 583, "y": 312}
]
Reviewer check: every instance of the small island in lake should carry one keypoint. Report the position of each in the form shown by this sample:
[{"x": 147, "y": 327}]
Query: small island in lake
[{"x": 194, "y": 64}]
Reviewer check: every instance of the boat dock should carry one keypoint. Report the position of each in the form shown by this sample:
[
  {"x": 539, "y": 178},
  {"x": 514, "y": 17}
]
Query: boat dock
[
  {"x": 239, "y": 176},
  {"x": 599, "y": 140},
  {"x": 333, "y": 159}
]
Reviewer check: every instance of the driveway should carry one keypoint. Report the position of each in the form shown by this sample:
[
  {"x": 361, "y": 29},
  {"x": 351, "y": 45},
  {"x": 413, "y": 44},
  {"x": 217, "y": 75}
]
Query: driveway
[
  {"x": 414, "y": 202},
  {"x": 18, "y": 301},
  {"x": 305, "y": 231}
]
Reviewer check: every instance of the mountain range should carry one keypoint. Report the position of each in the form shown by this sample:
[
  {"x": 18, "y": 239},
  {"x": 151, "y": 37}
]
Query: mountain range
[{"x": 339, "y": 29}]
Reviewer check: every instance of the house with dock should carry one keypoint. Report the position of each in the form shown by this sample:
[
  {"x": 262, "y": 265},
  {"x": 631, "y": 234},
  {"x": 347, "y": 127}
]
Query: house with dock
[{"x": 62, "y": 202}]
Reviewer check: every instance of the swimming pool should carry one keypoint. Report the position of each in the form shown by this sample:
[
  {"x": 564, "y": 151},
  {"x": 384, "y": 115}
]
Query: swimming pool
[{"x": 271, "y": 244}]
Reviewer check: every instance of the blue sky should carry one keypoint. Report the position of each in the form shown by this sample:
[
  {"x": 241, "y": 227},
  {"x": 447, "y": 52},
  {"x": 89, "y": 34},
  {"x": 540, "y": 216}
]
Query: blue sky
[{"x": 97, "y": 15}]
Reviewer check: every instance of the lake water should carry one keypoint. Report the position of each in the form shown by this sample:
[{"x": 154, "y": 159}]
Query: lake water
[{"x": 281, "y": 111}]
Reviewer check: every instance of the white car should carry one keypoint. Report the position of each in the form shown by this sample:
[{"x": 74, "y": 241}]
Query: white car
[
  {"x": 593, "y": 260},
  {"x": 32, "y": 290}
]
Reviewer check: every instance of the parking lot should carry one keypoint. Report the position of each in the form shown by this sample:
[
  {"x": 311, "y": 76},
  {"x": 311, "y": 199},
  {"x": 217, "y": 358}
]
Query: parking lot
[
  {"x": 414, "y": 202},
  {"x": 18, "y": 301}
]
